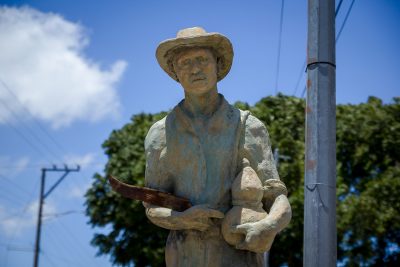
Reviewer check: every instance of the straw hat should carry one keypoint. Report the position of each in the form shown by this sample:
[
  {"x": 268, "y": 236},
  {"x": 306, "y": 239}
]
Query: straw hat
[{"x": 196, "y": 37}]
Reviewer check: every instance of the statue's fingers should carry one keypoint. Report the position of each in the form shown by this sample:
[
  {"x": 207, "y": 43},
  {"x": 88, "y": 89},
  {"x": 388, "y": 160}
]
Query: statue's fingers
[
  {"x": 202, "y": 226},
  {"x": 243, "y": 246},
  {"x": 239, "y": 229},
  {"x": 247, "y": 239},
  {"x": 215, "y": 214}
]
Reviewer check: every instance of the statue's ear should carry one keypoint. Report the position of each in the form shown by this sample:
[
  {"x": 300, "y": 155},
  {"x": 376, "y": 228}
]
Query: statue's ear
[
  {"x": 220, "y": 64},
  {"x": 170, "y": 63}
]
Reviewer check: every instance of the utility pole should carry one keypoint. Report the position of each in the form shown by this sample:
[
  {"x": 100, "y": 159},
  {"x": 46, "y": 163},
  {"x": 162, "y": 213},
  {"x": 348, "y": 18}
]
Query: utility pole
[
  {"x": 320, "y": 159},
  {"x": 42, "y": 196}
]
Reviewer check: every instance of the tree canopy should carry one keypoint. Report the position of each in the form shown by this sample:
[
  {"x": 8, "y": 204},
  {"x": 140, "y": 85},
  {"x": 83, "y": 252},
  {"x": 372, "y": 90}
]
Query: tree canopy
[{"x": 368, "y": 182}]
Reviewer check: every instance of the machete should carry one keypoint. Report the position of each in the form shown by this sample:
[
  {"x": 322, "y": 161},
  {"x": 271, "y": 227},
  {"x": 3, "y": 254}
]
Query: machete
[{"x": 149, "y": 195}]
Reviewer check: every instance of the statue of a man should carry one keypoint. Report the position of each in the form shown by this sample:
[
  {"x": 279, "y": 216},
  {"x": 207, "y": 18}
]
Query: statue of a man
[{"x": 196, "y": 152}]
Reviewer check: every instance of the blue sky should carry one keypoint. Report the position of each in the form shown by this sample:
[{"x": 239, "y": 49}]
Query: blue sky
[{"x": 71, "y": 72}]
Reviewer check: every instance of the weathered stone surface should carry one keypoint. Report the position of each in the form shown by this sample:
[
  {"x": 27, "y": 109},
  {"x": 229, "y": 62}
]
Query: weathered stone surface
[
  {"x": 247, "y": 187},
  {"x": 247, "y": 193},
  {"x": 198, "y": 150}
]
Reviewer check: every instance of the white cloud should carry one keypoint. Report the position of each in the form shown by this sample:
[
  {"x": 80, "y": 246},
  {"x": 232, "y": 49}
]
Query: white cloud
[
  {"x": 20, "y": 165},
  {"x": 79, "y": 191},
  {"x": 42, "y": 62},
  {"x": 16, "y": 222},
  {"x": 82, "y": 160},
  {"x": 12, "y": 167}
]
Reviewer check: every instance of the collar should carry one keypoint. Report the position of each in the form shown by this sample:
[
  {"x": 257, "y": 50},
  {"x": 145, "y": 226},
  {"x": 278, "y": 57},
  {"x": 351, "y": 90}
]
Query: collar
[{"x": 219, "y": 120}]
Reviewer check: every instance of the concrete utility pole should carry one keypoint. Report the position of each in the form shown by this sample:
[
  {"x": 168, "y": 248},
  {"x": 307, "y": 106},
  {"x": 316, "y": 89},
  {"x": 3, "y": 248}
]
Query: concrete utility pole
[
  {"x": 320, "y": 162},
  {"x": 42, "y": 196}
]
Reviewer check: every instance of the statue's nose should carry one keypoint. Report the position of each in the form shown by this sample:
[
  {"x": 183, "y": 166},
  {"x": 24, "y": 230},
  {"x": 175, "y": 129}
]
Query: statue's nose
[{"x": 195, "y": 69}]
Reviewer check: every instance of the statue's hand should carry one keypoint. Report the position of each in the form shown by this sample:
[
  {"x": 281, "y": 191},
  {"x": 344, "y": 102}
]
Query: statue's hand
[
  {"x": 258, "y": 235},
  {"x": 199, "y": 217}
]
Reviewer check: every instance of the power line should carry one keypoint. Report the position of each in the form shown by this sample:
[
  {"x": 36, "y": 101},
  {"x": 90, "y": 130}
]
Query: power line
[
  {"x": 48, "y": 259},
  {"x": 345, "y": 20},
  {"x": 65, "y": 244},
  {"x": 34, "y": 147},
  {"x": 338, "y": 8},
  {"x": 338, "y": 35},
  {"x": 14, "y": 184},
  {"x": 12, "y": 236},
  {"x": 44, "y": 145},
  {"x": 32, "y": 133},
  {"x": 41, "y": 127},
  {"x": 76, "y": 240},
  {"x": 302, "y": 70},
  {"x": 23, "y": 249},
  {"x": 279, "y": 47},
  {"x": 39, "y": 165},
  {"x": 60, "y": 214},
  {"x": 69, "y": 261},
  {"x": 11, "y": 197}
]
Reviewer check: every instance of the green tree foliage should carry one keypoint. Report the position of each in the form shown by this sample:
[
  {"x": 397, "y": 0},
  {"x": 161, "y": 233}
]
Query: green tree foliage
[
  {"x": 368, "y": 155},
  {"x": 368, "y": 182},
  {"x": 132, "y": 238}
]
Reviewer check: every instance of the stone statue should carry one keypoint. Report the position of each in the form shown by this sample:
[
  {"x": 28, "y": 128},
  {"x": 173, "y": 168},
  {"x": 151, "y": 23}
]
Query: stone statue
[{"x": 218, "y": 157}]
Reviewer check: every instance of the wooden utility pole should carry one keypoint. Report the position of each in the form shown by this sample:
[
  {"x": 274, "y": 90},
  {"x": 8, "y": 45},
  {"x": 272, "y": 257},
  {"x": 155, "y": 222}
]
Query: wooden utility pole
[
  {"x": 320, "y": 162},
  {"x": 42, "y": 196}
]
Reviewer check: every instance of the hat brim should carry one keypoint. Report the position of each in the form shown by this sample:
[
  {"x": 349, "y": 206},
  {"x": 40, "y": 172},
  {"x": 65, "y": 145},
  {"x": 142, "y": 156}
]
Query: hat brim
[{"x": 221, "y": 45}]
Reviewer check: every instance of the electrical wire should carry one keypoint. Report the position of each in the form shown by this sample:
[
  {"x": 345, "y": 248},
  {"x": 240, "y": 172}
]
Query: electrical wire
[
  {"x": 33, "y": 146},
  {"x": 16, "y": 192},
  {"x": 24, "y": 191},
  {"x": 48, "y": 259},
  {"x": 69, "y": 261},
  {"x": 68, "y": 244},
  {"x": 12, "y": 236},
  {"x": 345, "y": 20},
  {"x": 60, "y": 214},
  {"x": 338, "y": 35},
  {"x": 44, "y": 145},
  {"x": 39, "y": 165},
  {"x": 303, "y": 69},
  {"x": 279, "y": 48},
  {"x": 40, "y": 126},
  {"x": 74, "y": 238},
  {"x": 338, "y": 8},
  {"x": 10, "y": 197},
  {"x": 31, "y": 132}
]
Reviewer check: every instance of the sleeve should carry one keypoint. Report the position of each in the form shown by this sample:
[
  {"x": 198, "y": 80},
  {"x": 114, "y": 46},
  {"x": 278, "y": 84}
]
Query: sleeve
[
  {"x": 155, "y": 149},
  {"x": 255, "y": 146}
]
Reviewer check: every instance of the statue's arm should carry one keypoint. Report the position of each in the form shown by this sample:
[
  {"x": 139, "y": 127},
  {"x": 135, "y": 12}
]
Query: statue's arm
[
  {"x": 256, "y": 148},
  {"x": 260, "y": 235},
  {"x": 163, "y": 217},
  {"x": 279, "y": 215},
  {"x": 197, "y": 217}
]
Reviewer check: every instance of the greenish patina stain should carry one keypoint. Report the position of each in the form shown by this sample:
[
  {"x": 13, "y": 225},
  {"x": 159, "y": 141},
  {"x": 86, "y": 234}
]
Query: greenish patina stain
[{"x": 197, "y": 151}]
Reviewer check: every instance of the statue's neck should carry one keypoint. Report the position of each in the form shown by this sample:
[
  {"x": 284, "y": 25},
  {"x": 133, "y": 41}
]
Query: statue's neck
[{"x": 202, "y": 105}]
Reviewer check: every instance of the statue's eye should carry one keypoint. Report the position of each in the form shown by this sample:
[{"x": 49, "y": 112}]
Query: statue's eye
[
  {"x": 202, "y": 60},
  {"x": 184, "y": 64}
]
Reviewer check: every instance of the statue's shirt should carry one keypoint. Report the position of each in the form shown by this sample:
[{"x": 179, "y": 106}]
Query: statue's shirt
[{"x": 198, "y": 160}]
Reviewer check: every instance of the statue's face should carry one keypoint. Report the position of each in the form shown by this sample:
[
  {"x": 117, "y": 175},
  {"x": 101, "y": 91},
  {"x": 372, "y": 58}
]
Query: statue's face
[{"x": 196, "y": 69}]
